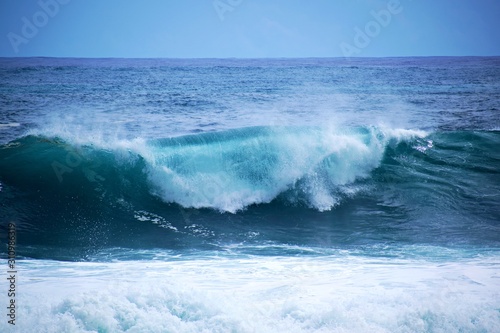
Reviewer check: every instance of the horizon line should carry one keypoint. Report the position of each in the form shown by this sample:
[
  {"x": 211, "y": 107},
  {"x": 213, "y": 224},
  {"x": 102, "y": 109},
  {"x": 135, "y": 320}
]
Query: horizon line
[{"x": 255, "y": 58}]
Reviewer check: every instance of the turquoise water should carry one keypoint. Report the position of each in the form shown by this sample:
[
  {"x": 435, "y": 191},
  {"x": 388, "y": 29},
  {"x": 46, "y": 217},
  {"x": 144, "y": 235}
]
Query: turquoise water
[{"x": 292, "y": 195}]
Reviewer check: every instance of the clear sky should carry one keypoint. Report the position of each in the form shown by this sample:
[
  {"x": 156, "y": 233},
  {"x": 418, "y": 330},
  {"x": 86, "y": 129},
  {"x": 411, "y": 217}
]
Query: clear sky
[{"x": 248, "y": 28}]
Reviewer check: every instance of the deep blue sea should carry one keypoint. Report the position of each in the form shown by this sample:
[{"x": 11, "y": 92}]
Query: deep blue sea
[{"x": 258, "y": 195}]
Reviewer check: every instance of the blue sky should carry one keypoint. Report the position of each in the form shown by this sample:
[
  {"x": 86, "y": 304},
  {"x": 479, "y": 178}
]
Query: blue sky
[{"x": 248, "y": 28}]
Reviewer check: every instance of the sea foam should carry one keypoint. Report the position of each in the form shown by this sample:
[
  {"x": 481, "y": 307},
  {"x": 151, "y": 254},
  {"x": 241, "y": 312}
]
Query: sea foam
[{"x": 261, "y": 294}]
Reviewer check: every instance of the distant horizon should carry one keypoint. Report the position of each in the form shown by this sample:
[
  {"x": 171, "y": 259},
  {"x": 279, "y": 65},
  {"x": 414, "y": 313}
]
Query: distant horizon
[{"x": 262, "y": 58}]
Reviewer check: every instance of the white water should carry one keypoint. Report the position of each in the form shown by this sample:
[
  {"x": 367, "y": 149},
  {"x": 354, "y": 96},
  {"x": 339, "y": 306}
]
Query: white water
[
  {"x": 231, "y": 170},
  {"x": 259, "y": 294}
]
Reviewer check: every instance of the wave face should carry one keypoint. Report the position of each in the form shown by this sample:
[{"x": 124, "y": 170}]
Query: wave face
[
  {"x": 227, "y": 171},
  {"x": 198, "y": 186}
]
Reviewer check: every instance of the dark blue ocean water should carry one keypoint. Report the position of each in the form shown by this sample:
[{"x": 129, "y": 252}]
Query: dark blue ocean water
[{"x": 316, "y": 190}]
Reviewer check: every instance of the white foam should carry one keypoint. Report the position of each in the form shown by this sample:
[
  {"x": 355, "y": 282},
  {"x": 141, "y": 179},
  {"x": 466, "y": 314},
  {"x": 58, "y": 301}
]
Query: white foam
[
  {"x": 261, "y": 294},
  {"x": 8, "y": 125},
  {"x": 315, "y": 161}
]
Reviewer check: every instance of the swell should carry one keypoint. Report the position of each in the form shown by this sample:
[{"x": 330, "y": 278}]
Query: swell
[
  {"x": 226, "y": 171},
  {"x": 252, "y": 183}
]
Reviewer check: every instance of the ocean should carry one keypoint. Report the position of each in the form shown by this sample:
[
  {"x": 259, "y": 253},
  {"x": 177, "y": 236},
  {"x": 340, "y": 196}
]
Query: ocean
[{"x": 250, "y": 195}]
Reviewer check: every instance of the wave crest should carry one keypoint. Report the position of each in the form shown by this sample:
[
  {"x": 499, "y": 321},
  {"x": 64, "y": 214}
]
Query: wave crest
[{"x": 230, "y": 170}]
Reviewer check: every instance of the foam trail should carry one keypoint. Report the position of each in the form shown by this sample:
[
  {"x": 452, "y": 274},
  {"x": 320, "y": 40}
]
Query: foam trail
[{"x": 7, "y": 125}]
